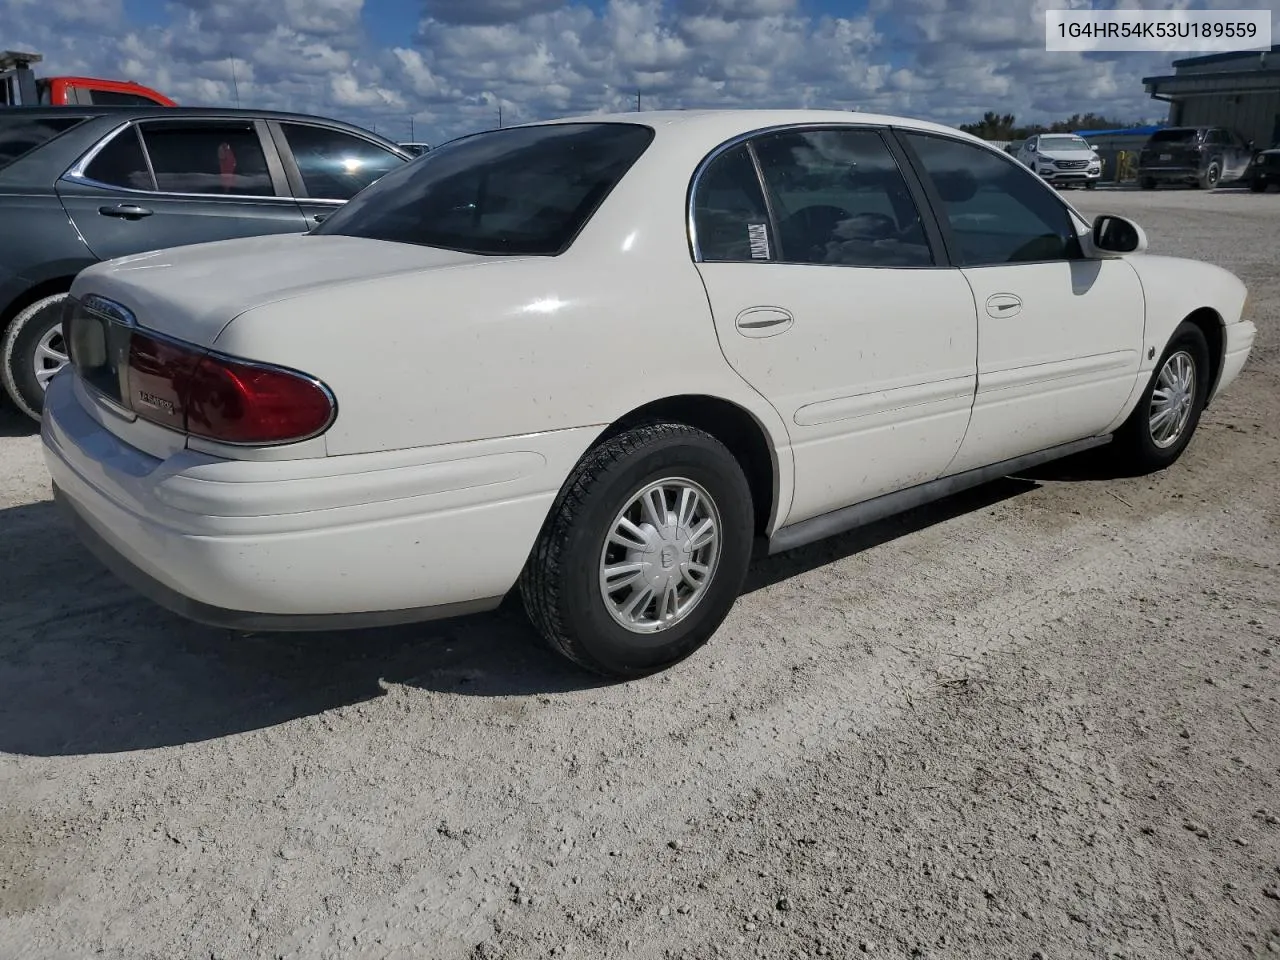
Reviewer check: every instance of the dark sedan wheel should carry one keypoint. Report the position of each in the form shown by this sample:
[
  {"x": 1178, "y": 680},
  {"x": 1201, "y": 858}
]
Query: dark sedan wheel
[
  {"x": 1258, "y": 185},
  {"x": 1168, "y": 412},
  {"x": 1212, "y": 174},
  {"x": 643, "y": 553},
  {"x": 32, "y": 352}
]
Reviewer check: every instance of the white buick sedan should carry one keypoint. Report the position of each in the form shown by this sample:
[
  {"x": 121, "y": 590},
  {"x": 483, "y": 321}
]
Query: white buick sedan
[{"x": 600, "y": 361}]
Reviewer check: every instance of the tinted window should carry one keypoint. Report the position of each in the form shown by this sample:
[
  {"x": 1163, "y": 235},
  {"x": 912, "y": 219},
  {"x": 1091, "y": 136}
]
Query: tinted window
[
  {"x": 999, "y": 212},
  {"x": 210, "y": 156},
  {"x": 730, "y": 219},
  {"x": 121, "y": 163},
  {"x": 522, "y": 190},
  {"x": 112, "y": 98},
  {"x": 336, "y": 165},
  {"x": 1184, "y": 135},
  {"x": 20, "y": 135},
  {"x": 838, "y": 197}
]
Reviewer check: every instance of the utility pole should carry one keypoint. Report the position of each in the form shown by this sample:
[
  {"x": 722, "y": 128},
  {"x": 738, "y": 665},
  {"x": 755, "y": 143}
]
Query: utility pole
[
  {"x": 411, "y": 129},
  {"x": 637, "y": 101},
  {"x": 499, "y": 115},
  {"x": 234, "y": 85}
]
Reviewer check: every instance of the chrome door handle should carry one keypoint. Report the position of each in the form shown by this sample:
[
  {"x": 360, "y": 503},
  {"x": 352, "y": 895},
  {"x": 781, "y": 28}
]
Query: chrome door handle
[
  {"x": 763, "y": 321},
  {"x": 125, "y": 211},
  {"x": 1003, "y": 305}
]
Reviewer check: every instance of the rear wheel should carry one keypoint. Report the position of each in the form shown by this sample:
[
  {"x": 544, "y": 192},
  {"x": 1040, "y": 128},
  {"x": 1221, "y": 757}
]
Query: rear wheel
[
  {"x": 32, "y": 352},
  {"x": 1147, "y": 183},
  {"x": 1212, "y": 174},
  {"x": 644, "y": 551},
  {"x": 1168, "y": 412}
]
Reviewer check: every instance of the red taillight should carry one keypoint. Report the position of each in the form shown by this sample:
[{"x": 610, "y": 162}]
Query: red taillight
[{"x": 220, "y": 399}]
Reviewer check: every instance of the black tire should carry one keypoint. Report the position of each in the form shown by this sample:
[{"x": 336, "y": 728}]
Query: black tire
[
  {"x": 1212, "y": 174},
  {"x": 1147, "y": 183},
  {"x": 1091, "y": 185},
  {"x": 1258, "y": 185},
  {"x": 18, "y": 352},
  {"x": 1134, "y": 444},
  {"x": 560, "y": 585}
]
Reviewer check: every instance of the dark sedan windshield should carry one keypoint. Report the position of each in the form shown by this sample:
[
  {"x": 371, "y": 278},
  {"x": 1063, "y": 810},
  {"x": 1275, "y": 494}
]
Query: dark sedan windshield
[{"x": 523, "y": 190}]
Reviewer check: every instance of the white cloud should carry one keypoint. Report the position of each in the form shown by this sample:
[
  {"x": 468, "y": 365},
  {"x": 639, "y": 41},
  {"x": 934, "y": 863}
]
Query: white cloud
[{"x": 948, "y": 60}]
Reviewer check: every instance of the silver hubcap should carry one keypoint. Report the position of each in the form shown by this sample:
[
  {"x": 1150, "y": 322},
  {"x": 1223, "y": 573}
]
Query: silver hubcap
[
  {"x": 50, "y": 356},
  {"x": 660, "y": 555},
  {"x": 1172, "y": 399}
]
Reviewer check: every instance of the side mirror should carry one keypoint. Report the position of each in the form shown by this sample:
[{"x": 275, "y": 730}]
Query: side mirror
[
  {"x": 1114, "y": 235},
  {"x": 1093, "y": 147}
]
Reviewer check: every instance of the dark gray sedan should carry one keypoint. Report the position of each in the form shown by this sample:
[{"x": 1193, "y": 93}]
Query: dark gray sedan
[{"x": 83, "y": 184}]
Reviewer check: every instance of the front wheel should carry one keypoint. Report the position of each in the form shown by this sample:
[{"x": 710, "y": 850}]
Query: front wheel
[
  {"x": 643, "y": 553},
  {"x": 32, "y": 352},
  {"x": 1168, "y": 412},
  {"x": 1091, "y": 184},
  {"x": 1258, "y": 185}
]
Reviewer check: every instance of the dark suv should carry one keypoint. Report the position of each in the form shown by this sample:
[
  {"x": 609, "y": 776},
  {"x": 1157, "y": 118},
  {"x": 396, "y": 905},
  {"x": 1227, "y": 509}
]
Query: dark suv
[
  {"x": 1266, "y": 169},
  {"x": 83, "y": 184},
  {"x": 1199, "y": 156}
]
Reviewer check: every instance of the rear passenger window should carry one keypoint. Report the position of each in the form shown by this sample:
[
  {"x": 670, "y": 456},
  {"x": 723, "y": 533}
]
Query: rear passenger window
[
  {"x": 121, "y": 163},
  {"x": 207, "y": 157},
  {"x": 730, "y": 220},
  {"x": 838, "y": 197},
  {"x": 335, "y": 165}
]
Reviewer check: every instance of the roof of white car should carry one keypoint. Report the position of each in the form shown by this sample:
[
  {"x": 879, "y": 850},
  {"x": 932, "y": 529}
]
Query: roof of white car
[{"x": 745, "y": 120}]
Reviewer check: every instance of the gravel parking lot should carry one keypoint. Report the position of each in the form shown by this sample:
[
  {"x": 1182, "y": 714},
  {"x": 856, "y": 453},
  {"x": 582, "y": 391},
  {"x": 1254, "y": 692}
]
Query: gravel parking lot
[{"x": 1039, "y": 720}]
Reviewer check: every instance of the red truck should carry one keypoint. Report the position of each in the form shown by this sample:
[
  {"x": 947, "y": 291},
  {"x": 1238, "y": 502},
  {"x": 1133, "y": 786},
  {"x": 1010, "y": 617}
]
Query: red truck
[{"x": 20, "y": 86}]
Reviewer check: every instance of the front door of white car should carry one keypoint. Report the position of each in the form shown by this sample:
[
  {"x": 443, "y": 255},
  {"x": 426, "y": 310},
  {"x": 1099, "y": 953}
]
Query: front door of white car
[
  {"x": 828, "y": 300},
  {"x": 1059, "y": 336}
]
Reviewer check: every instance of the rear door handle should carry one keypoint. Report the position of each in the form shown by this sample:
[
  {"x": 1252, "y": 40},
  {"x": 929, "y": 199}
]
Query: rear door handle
[
  {"x": 1002, "y": 305},
  {"x": 764, "y": 321},
  {"x": 125, "y": 211}
]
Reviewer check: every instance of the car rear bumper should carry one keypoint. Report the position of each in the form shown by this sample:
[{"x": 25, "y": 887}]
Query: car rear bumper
[
  {"x": 1180, "y": 174},
  {"x": 320, "y": 543}
]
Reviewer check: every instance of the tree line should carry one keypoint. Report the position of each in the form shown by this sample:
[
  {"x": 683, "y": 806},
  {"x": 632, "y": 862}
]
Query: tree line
[{"x": 995, "y": 126}]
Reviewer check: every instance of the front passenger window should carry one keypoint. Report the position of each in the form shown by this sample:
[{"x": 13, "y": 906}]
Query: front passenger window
[{"x": 998, "y": 212}]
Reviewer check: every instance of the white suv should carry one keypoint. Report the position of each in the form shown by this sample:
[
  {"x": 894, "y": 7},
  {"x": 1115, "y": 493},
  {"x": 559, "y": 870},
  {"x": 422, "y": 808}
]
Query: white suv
[{"x": 1062, "y": 158}]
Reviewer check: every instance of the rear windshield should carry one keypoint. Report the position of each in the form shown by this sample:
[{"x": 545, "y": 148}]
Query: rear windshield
[
  {"x": 1173, "y": 136},
  {"x": 523, "y": 190},
  {"x": 20, "y": 135}
]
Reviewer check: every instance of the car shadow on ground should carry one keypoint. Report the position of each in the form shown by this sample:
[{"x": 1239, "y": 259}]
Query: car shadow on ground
[
  {"x": 13, "y": 423},
  {"x": 88, "y": 667}
]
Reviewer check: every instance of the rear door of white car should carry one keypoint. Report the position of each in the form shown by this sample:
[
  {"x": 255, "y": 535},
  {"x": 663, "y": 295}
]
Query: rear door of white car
[
  {"x": 831, "y": 299},
  {"x": 1059, "y": 336}
]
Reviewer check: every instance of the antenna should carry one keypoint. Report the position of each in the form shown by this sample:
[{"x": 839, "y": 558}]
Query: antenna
[
  {"x": 411, "y": 129},
  {"x": 499, "y": 114},
  {"x": 637, "y": 101},
  {"x": 235, "y": 85}
]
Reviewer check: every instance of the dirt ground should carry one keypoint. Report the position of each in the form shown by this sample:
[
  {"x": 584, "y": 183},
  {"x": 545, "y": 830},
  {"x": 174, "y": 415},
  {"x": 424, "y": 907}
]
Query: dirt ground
[{"x": 1037, "y": 721}]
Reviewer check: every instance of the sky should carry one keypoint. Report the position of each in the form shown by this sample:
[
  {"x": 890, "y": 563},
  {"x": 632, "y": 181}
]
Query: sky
[{"x": 440, "y": 68}]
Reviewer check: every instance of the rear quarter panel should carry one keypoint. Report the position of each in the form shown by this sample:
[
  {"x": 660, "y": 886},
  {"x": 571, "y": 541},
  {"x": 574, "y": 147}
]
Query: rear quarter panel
[{"x": 37, "y": 244}]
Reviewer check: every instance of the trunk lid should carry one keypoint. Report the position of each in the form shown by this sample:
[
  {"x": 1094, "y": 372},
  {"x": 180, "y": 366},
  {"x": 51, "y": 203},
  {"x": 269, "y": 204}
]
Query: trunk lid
[{"x": 192, "y": 292}]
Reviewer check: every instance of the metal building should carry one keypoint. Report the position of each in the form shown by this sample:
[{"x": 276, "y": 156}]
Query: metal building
[{"x": 1239, "y": 91}]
